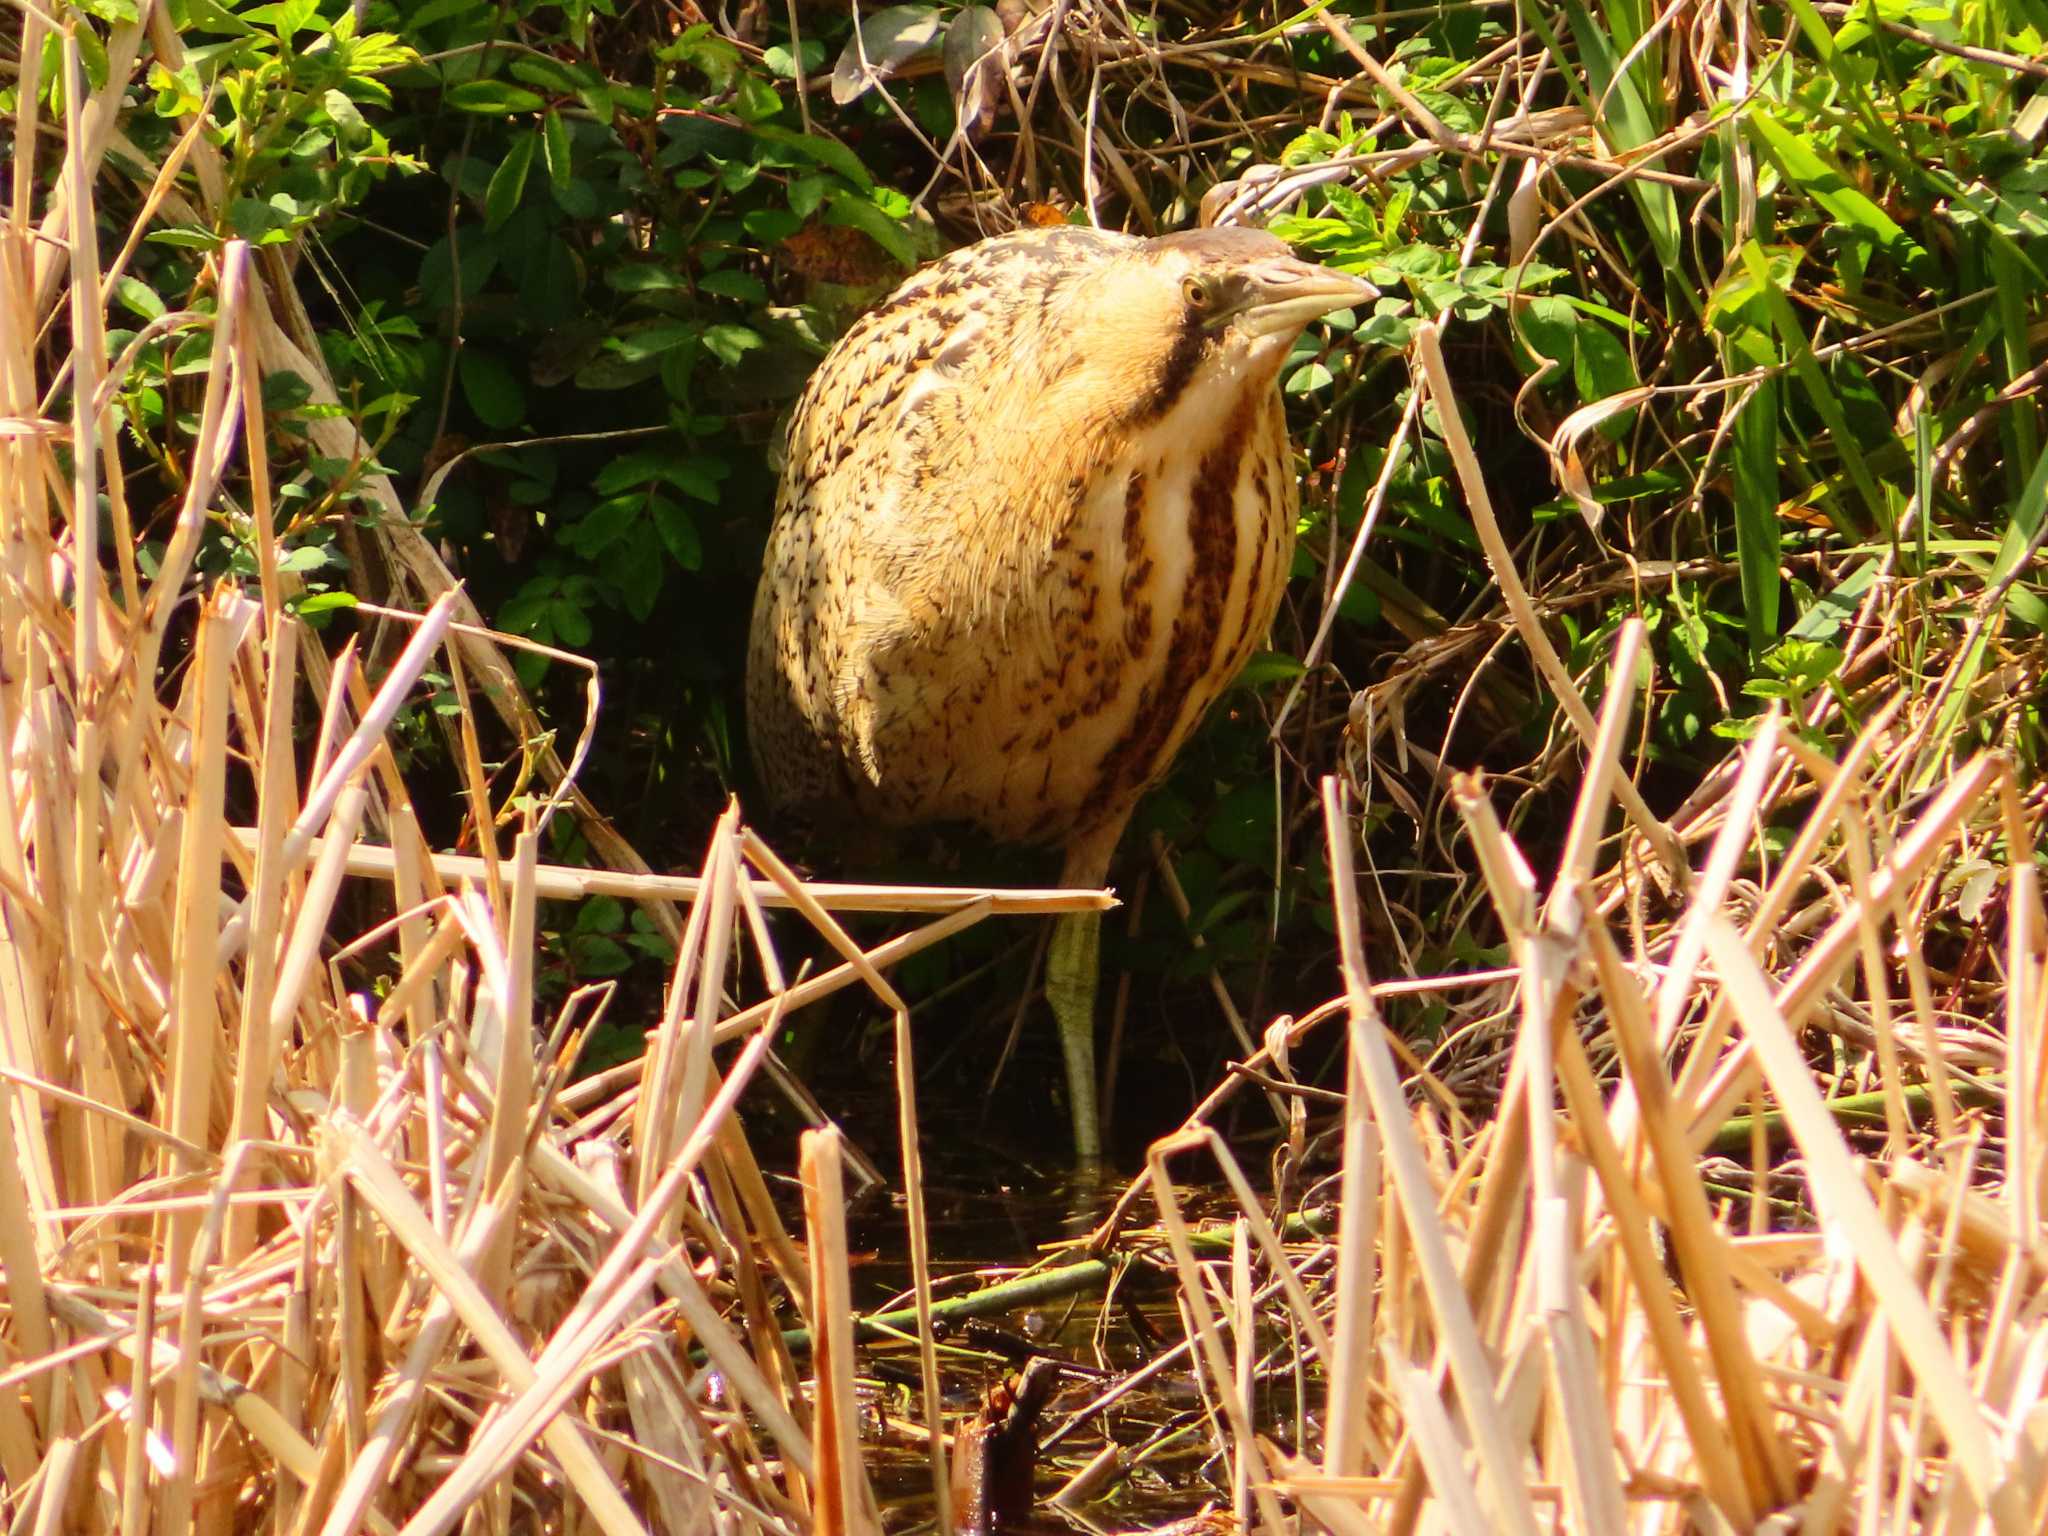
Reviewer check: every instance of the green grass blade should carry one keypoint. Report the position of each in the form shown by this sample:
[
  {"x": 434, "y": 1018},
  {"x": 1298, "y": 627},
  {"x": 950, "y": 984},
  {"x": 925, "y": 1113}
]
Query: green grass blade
[
  {"x": 1805, "y": 167},
  {"x": 1813, "y": 381}
]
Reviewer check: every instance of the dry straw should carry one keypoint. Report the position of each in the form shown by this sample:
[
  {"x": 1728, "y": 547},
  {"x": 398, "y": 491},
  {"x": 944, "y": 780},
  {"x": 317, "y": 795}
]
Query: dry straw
[
  {"x": 285, "y": 1252},
  {"x": 301, "y": 1229},
  {"x": 1566, "y": 1319}
]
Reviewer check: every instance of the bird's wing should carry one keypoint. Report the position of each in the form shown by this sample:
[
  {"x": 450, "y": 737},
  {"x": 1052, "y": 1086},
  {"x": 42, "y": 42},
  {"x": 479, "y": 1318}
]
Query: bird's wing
[{"x": 924, "y": 484}]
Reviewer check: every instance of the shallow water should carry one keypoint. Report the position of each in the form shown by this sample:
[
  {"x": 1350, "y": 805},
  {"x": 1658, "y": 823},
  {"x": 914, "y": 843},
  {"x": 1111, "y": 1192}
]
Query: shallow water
[{"x": 996, "y": 1209}]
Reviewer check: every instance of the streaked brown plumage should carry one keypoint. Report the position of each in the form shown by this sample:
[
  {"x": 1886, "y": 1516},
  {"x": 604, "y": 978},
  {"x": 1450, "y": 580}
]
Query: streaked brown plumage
[{"x": 1037, "y": 511}]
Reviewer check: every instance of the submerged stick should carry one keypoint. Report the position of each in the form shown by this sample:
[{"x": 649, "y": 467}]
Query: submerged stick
[{"x": 1043, "y": 1285}]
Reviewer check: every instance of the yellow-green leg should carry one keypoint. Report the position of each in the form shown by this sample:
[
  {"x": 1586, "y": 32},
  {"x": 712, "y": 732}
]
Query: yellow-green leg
[{"x": 1072, "y": 964}]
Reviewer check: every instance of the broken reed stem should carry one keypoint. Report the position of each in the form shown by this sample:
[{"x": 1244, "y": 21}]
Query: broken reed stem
[
  {"x": 1203, "y": 1331},
  {"x": 563, "y": 882},
  {"x": 843, "y": 1507}
]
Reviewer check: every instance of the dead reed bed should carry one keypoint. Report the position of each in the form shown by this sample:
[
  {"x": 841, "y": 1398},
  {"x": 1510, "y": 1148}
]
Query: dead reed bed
[
  {"x": 1664, "y": 1287},
  {"x": 306, "y": 1224}
]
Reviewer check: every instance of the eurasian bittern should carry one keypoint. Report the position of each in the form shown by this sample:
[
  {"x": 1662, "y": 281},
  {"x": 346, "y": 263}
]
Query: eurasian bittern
[{"x": 1036, "y": 513}]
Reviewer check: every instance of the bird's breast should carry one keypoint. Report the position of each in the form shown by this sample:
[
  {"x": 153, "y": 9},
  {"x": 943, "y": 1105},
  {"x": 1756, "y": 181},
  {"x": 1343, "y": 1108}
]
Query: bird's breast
[{"x": 1151, "y": 600}]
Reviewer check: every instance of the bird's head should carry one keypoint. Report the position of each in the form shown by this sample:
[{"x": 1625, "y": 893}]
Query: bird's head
[{"x": 1209, "y": 305}]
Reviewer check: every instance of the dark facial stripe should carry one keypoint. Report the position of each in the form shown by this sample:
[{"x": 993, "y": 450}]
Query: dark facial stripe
[{"x": 1178, "y": 372}]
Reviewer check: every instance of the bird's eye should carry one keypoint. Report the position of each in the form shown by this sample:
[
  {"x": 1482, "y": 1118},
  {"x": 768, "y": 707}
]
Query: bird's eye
[{"x": 1198, "y": 294}]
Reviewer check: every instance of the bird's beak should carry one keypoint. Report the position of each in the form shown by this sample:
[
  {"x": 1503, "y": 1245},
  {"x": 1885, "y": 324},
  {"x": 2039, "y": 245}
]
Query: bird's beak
[{"x": 1283, "y": 295}]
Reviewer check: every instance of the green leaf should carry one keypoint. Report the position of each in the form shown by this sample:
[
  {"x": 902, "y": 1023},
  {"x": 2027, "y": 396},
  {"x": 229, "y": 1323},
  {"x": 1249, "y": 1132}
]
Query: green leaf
[
  {"x": 179, "y": 93},
  {"x": 187, "y": 236},
  {"x": 857, "y": 213},
  {"x": 537, "y": 69},
  {"x": 492, "y": 389},
  {"x": 492, "y": 98},
  {"x": 636, "y": 568},
  {"x": 1824, "y": 619},
  {"x": 138, "y": 297},
  {"x": 783, "y": 64},
  {"x": 433, "y": 11},
  {"x": 603, "y": 525},
  {"x": 1738, "y": 299},
  {"x": 555, "y": 143},
  {"x": 700, "y": 47},
  {"x": 1628, "y": 109},
  {"x": 806, "y": 193},
  {"x": 2024, "y": 517},
  {"x": 312, "y": 604},
  {"x": 1547, "y": 327},
  {"x": 307, "y": 557},
  {"x": 645, "y": 277},
  {"x": 438, "y": 271},
  {"x": 92, "y": 58},
  {"x": 526, "y": 611},
  {"x": 194, "y": 354},
  {"x": 601, "y": 914},
  {"x": 1814, "y": 383},
  {"x": 1240, "y": 830},
  {"x": 508, "y": 182},
  {"x": 771, "y": 226},
  {"x": 830, "y": 153},
  {"x": 629, "y": 470},
  {"x": 571, "y": 625},
  {"x": 1307, "y": 379},
  {"x": 728, "y": 284},
  {"x": 287, "y": 18},
  {"x": 1601, "y": 366},
  {"x": 264, "y": 223},
  {"x": 646, "y": 342},
  {"x": 728, "y": 343},
  {"x": 756, "y": 99},
  {"x": 575, "y": 197},
  {"x": 596, "y": 955},
  {"x": 693, "y": 477},
  {"x": 285, "y": 391},
  {"x": 1269, "y": 667},
  {"x": 699, "y": 479},
  {"x": 678, "y": 532},
  {"x": 1753, "y": 453},
  {"x": 737, "y": 176}
]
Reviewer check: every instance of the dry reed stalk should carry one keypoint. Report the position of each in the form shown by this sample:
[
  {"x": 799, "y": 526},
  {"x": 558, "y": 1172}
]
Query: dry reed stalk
[
  {"x": 845, "y": 1504},
  {"x": 804, "y": 900},
  {"x": 298, "y": 1229},
  {"x": 1619, "y": 1351},
  {"x": 561, "y": 882}
]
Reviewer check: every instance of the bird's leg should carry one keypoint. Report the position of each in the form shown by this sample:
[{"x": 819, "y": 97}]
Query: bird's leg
[{"x": 1073, "y": 965}]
